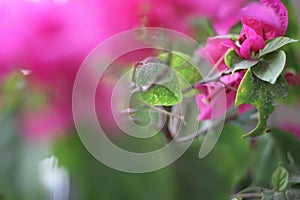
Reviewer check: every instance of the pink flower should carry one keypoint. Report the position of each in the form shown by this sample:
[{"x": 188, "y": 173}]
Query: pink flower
[
  {"x": 269, "y": 19},
  {"x": 261, "y": 22},
  {"x": 211, "y": 100},
  {"x": 251, "y": 45}
]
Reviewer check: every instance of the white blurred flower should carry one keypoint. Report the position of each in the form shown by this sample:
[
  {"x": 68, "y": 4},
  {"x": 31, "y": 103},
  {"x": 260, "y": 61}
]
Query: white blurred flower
[{"x": 54, "y": 178}]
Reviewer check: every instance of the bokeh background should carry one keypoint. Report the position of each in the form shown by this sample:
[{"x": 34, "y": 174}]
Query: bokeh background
[{"x": 42, "y": 45}]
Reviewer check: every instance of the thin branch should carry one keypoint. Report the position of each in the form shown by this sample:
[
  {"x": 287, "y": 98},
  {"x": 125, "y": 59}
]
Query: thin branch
[
  {"x": 163, "y": 111},
  {"x": 186, "y": 90},
  {"x": 170, "y": 56},
  {"x": 165, "y": 130},
  {"x": 214, "y": 78},
  {"x": 175, "y": 123},
  {"x": 215, "y": 67},
  {"x": 203, "y": 130},
  {"x": 228, "y": 86}
]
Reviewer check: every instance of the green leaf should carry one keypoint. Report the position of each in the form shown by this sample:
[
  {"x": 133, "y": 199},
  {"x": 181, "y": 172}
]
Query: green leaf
[
  {"x": 274, "y": 44},
  {"x": 182, "y": 64},
  {"x": 139, "y": 113},
  {"x": 263, "y": 96},
  {"x": 280, "y": 178},
  {"x": 235, "y": 62},
  {"x": 270, "y": 67},
  {"x": 159, "y": 84},
  {"x": 159, "y": 95}
]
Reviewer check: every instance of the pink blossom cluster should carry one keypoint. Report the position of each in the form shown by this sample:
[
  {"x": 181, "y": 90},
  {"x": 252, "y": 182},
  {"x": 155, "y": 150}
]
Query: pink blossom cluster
[{"x": 260, "y": 22}]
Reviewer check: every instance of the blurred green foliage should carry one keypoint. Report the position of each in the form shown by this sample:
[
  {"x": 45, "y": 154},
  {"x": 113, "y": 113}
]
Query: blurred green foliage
[{"x": 211, "y": 178}]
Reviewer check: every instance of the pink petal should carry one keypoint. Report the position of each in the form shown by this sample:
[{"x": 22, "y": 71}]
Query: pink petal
[
  {"x": 212, "y": 103},
  {"x": 231, "y": 45},
  {"x": 46, "y": 123},
  {"x": 214, "y": 51},
  {"x": 253, "y": 44},
  {"x": 264, "y": 20},
  {"x": 233, "y": 79},
  {"x": 223, "y": 14},
  {"x": 223, "y": 26},
  {"x": 280, "y": 10},
  {"x": 211, "y": 100},
  {"x": 248, "y": 32}
]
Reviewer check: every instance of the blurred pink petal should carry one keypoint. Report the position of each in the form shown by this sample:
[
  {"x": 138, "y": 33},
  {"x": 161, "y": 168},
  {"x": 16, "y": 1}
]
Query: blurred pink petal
[
  {"x": 291, "y": 79},
  {"x": 52, "y": 40},
  {"x": 214, "y": 51},
  {"x": 210, "y": 99},
  {"x": 223, "y": 26},
  {"x": 292, "y": 128},
  {"x": 286, "y": 117},
  {"x": 44, "y": 124},
  {"x": 223, "y": 14}
]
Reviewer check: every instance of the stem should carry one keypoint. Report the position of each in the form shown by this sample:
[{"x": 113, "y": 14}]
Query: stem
[
  {"x": 168, "y": 62},
  {"x": 165, "y": 130},
  {"x": 228, "y": 86},
  {"x": 203, "y": 131},
  {"x": 215, "y": 78},
  {"x": 165, "y": 111}
]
